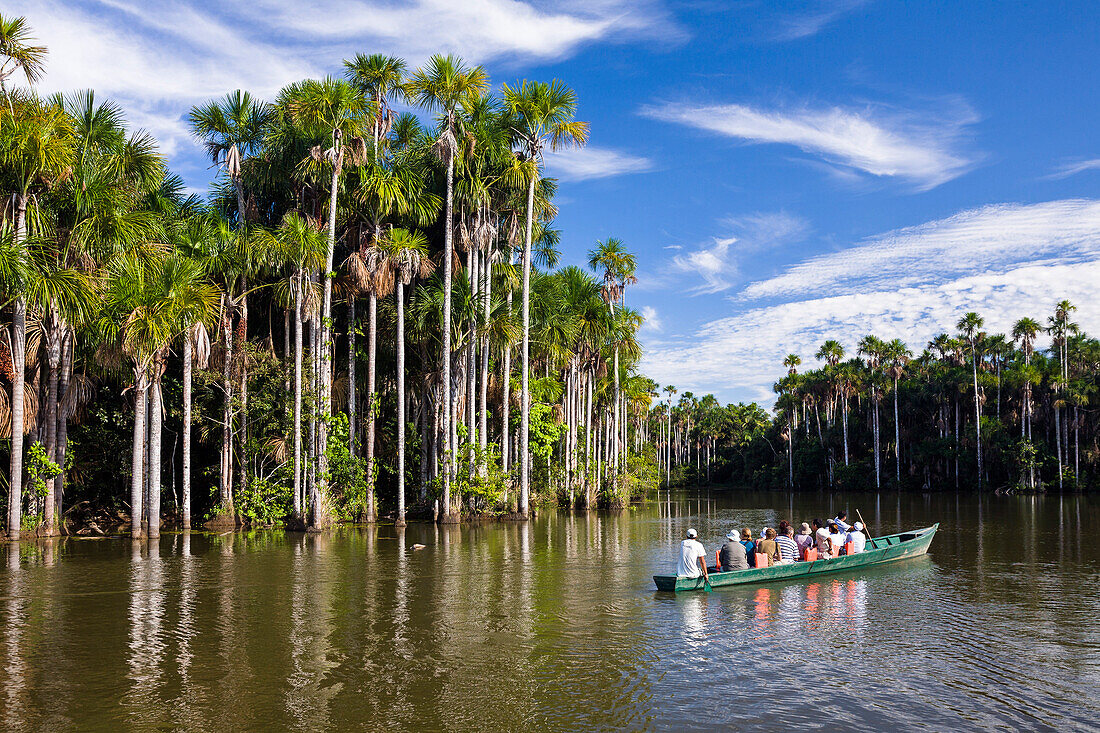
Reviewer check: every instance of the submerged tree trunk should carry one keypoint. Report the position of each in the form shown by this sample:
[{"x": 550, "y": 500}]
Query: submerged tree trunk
[
  {"x": 19, "y": 368},
  {"x": 352, "y": 413},
  {"x": 447, "y": 511},
  {"x": 297, "y": 427},
  {"x": 155, "y": 424}
]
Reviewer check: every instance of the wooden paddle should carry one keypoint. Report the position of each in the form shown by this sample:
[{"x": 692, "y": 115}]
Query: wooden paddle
[{"x": 866, "y": 528}]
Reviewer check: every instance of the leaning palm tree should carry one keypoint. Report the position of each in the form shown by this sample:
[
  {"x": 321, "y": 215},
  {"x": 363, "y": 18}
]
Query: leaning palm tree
[
  {"x": 407, "y": 257},
  {"x": 337, "y": 109},
  {"x": 970, "y": 325},
  {"x": 443, "y": 85},
  {"x": 544, "y": 115},
  {"x": 19, "y": 53},
  {"x": 36, "y": 151}
]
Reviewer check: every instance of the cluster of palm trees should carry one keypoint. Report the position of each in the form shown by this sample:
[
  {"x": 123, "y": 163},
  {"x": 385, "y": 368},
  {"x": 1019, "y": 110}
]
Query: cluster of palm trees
[
  {"x": 325, "y": 197},
  {"x": 973, "y": 409}
]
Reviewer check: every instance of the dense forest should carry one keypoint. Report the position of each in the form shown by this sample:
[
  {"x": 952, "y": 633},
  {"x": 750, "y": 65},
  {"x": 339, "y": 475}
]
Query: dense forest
[
  {"x": 364, "y": 317},
  {"x": 973, "y": 410}
]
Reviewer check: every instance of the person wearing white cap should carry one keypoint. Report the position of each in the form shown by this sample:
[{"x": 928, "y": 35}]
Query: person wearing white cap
[
  {"x": 857, "y": 538},
  {"x": 693, "y": 557},
  {"x": 732, "y": 555}
]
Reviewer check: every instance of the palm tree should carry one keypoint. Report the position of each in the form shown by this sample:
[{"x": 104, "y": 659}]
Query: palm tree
[
  {"x": 1025, "y": 330},
  {"x": 379, "y": 78},
  {"x": 618, "y": 266},
  {"x": 897, "y": 355},
  {"x": 443, "y": 85},
  {"x": 872, "y": 348},
  {"x": 338, "y": 109},
  {"x": 407, "y": 257},
  {"x": 544, "y": 115},
  {"x": 670, "y": 391},
  {"x": 970, "y": 325},
  {"x": 302, "y": 247},
  {"x": 36, "y": 151},
  {"x": 231, "y": 129},
  {"x": 19, "y": 54}
]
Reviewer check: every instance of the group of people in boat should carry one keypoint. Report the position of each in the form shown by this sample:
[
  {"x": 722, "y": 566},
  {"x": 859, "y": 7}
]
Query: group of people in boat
[{"x": 778, "y": 546}]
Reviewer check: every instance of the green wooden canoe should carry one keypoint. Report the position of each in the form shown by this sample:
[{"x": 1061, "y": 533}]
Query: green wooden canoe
[{"x": 880, "y": 550}]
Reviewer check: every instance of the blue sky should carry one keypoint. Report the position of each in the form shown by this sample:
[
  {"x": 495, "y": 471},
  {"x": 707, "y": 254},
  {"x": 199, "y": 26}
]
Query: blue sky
[{"x": 786, "y": 172}]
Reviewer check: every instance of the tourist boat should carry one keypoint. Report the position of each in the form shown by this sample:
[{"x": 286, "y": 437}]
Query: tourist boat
[{"x": 879, "y": 551}]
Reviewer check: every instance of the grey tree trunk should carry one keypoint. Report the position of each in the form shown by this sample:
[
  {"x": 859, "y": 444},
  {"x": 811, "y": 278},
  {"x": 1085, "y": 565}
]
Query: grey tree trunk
[
  {"x": 525, "y": 389},
  {"x": 185, "y": 490},
  {"x": 63, "y": 418},
  {"x": 19, "y": 369},
  {"x": 352, "y": 443},
  {"x": 372, "y": 401},
  {"x": 155, "y": 420},
  {"x": 446, "y": 513},
  {"x": 487, "y": 278},
  {"x": 977, "y": 412},
  {"x": 400, "y": 405},
  {"x": 320, "y": 516},
  {"x": 53, "y": 335},
  {"x": 297, "y": 429},
  {"x": 137, "y": 466},
  {"x": 897, "y": 436}
]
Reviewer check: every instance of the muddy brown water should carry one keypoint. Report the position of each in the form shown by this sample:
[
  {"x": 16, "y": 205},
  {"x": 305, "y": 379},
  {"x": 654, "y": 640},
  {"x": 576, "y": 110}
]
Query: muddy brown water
[{"x": 555, "y": 625}]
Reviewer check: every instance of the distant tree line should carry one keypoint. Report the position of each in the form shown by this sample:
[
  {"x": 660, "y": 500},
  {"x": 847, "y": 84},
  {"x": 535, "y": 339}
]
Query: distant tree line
[{"x": 972, "y": 410}]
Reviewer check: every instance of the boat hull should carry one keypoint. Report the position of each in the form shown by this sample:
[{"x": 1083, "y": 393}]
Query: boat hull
[{"x": 879, "y": 551}]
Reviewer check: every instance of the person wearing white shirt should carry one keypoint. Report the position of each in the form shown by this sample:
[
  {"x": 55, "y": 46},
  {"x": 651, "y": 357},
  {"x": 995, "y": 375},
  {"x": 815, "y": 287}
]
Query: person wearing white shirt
[
  {"x": 857, "y": 538},
  {"x": 693, "y": 557},
  {"x": 837, "y": 537}
]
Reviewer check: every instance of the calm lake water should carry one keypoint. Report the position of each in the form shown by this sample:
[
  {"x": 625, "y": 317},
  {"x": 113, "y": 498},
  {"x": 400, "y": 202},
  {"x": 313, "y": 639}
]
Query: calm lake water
[{"x": 555, "y": 625}]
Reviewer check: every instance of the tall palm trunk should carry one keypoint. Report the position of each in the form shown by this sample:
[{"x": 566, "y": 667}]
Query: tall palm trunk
[
  {"x": 62, "y": 418},
  {"x": 372, "y": 400},
  {"x": 298, "y": 323},
  {"x": 446, "y": 512},
  {"x": 320, "y": 516},
  {"x": 155, "y": 424},
  {"x": 487, "y": 278},
  {"x": 185, "y": 490},
  {"x": 897, "y": 437},
  {"x": 53, "y": 335},
  {"x": 242, "y": 430},
  {"x": 19, "y": 368},
  {"x": 525, "y": 389},
  {"x": 400, "y": 404},
  {"x": 137, "y": 466},
  {"x": 977, "y": 411},
  {"x": 352, "y": 412},
  {"x": 225, "y": 487}
]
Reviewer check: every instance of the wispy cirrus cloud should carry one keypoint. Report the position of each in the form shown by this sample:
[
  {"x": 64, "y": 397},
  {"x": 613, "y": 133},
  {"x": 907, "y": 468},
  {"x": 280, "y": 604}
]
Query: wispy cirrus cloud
[
  {"x": 588, "y": 163},
  {"x": 921, "y": 149},
  {"x": 812, "y": 19},
  {"x": 1072, "y": 168},
  {"x": 717, "y": 262},
  {"x": 988, "y": 239},
  {"x": 1005, "y": 261}
]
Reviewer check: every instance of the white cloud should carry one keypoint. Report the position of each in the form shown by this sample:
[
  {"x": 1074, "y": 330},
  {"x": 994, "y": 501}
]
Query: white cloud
[
  {"x": 158, "y": 59},
  {"x": 583, "y": 164},
  {"x": 1005, "y": 262},
  {"x": 1073, "y": 168},
  {"x": 712, "y": 263},
  {"x": 717, "y": 262},
  {"x": 815, "y": 19},
  {"x": 739, "y": 357},
  {"x": 990, "y": 239},
  {"x": 877, "y": 143},
  {"x": 652, "y": 320}
]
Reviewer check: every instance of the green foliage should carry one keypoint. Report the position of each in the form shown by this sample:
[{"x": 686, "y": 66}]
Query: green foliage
[
  {"x": 482, "y": 483},
  {"x": 265, "y": 501},
  {"x": 347, "y": 476},
  {"x": 40, "y": 469}
]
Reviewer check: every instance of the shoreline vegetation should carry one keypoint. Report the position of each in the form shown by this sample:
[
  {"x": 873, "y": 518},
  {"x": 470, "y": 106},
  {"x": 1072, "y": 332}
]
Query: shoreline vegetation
[
  {"x": 364, "y": 318},
  {"x": 973, "y": 411}
]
